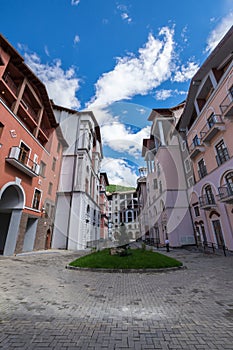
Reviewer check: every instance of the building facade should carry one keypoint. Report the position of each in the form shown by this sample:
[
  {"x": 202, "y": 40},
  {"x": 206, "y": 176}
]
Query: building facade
[
  {"x": 123, "y": 209},
  {"x": 208, "y": 117},
  {"x": 104, "y": 207},
  {"x": 169, "y": 174},
  {"x": 77, "y": 220},
  {"x": 30, "y": 156}
]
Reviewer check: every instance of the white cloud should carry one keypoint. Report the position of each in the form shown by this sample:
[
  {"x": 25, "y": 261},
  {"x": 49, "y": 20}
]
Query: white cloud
[
  {"x": 123, "y": 139},
  {"x": 185, "y": 72},
  {"x": 61, "y": 85},
  {"x": 137, "y": 75},
  {"x": 46, "y": 50},
  {"x": 75, "y": 2},
  {"x": 126, "y": 17},
  {"x": 119, "y": 172},
  {"x": 76, "y": 39},
  {"x": 218, "y": 33},
  {"x": 164, "y": 94}
]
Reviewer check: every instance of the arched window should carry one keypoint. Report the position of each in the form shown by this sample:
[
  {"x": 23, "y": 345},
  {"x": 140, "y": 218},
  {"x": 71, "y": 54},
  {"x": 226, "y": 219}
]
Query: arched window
[
  {"x": 209, "y": 195},
  {"x": 229, "y": 181}
]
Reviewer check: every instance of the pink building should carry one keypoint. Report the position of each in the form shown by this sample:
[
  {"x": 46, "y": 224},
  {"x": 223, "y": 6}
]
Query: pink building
[
  {"x": 208, "y": 117},
  {"x": 169, "y": 174}
]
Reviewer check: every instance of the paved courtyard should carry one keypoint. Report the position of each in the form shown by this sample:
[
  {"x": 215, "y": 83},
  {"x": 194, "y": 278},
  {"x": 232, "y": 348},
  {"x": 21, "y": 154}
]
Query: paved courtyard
[{"x": 45, "y": 306}]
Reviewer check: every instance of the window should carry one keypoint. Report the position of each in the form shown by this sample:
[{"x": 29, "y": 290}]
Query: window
[
  {"x": 187, "y": 166},
  {"x": 50, "y": 188},
  {"x": 155, "y": 184},
  {"x": 1, "y": 129},
  {"x": 183, "y": 146},
  {"x": 47, "y": 210},
  {"x": 202, "y": 168},
  {"x": 211, "y": 120},
  {"x": 54, "y": 164},
  {"x": 229, "y": 182},
  {"x": 24, "y": 153},
  {"x": 36, "y": 199},
  {"x": 196, "y": 141},
  {"x": 58, "y": 147},
  {"x": 196, "y": 210},
  {"x": 231, "y": 91},
  {"x": 42, "y": 169},
  {"x": 190, "y": 181},
  {"x": 160, "y": 187},
  {"x": 209, "y": 195},
  {"x": 222, "y": 153}
]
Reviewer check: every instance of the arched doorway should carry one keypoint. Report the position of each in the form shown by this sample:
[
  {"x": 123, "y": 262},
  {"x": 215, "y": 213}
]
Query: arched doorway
[{"x": 12, "y": 199}]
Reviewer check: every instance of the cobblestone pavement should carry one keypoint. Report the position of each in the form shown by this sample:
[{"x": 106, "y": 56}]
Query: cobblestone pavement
[{"x": 45, "y": 306}]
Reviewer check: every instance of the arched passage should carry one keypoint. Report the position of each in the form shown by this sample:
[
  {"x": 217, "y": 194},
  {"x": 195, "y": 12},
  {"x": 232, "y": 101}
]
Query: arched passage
[{"x": 12, "y": 200}]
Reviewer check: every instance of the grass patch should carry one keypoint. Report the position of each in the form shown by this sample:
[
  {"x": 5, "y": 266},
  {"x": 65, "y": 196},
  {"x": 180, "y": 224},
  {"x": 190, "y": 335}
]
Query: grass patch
[{"x": 139, "y": 259}]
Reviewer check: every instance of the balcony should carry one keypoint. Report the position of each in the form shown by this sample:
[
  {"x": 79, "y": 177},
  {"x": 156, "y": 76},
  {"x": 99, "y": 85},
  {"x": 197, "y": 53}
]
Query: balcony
[
  {"x": 214, "y": 125},
  {"x": 226, "y": 105},
  {"x": 207, "y": 202},
  {"x": 226, "y": 193},
  {"x": 10, "y": 83},
  {"x": 222, "y": 156},
  {"x": 196, "y": 147},
  {"x": 18, "y": 158}
]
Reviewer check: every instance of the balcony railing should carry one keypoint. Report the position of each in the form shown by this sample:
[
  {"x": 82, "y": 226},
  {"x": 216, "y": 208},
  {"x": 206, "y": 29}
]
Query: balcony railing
[
  {"x": 222, "y": 156},
  {"x": 214, "y": 125},
  {"x": 30, "y": 110},
  {"x": 226, "y": 106},
  {"x": 196, "y": 147},
  {"x": 207, "y": 202},
  {"x": 10, "y": 83},
  {"x": 202, "y": 172},
  {"x": 18, "y": 158},
  {"x": 226, "y": 193}
]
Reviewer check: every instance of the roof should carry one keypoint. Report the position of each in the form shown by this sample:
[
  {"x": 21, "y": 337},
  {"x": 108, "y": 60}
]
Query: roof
[
  {"x": 165, "y": 112},
  {"x": 89, "y": 113},
  {"x": 147, "y": 145},
  {"x": 223, "y": 50}
]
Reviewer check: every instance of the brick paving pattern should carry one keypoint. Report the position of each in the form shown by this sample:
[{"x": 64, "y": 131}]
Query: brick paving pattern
[{"x": 45, "y": 306}]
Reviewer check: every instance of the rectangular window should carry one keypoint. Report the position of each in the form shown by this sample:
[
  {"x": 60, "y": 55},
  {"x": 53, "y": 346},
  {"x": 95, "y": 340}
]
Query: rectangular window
[
  {"x": 221, "y": 153},
  {"x": 24, "y": 153},
  {"x": 50, "y": 188},
  {"x": 58, "y": 147},
  {"x": 155, "y": 184},
  {"x": 196, "y": 210},
  {"x": 202, "y": 171},
  {"x": 196, "y": 141},
  {"x": 36, "y": 199},
  {"x": 187, "y": 166},
  {"x": 54, "y": 164},
  {"x": 1, "y": 129},
  {"x": 42, "y": 169},
  {"x": 190, "y": 181}
]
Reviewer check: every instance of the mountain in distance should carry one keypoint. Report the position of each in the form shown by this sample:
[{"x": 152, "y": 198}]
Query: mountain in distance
[{"x": 117, "y": 188}]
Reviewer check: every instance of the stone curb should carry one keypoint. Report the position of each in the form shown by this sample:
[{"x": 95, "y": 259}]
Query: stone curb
[{"x": 167, "y": 269}]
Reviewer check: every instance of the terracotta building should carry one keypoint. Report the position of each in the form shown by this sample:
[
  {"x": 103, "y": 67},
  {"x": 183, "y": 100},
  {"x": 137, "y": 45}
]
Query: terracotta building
[
  {"x": 208, "y": 117},
  {"x": 30, "y": 155}
]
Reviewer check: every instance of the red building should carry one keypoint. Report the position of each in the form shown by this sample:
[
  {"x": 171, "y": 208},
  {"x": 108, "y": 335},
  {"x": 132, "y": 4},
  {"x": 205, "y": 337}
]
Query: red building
[{"x": 30, "y": 153}]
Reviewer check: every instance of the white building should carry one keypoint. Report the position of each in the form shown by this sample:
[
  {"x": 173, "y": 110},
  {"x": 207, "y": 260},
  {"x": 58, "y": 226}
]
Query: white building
[
  {"x": 123, "y": 208},
  {"x": 77, "y": 219}
]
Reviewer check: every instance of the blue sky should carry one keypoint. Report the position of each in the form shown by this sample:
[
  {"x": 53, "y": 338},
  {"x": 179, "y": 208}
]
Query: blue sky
[{"x": 117, "y": 58}]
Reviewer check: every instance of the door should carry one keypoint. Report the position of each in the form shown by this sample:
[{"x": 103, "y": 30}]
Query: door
[{"x": 218, "y": 232}]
